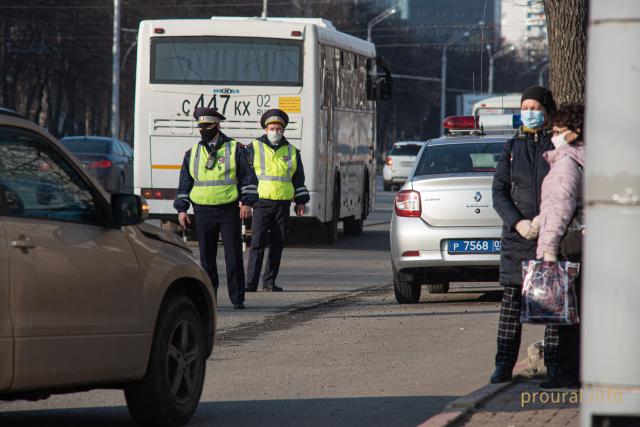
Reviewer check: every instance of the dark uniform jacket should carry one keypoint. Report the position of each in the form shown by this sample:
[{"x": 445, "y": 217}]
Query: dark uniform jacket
[
  {"x": 301, "y": 196},
  {"x": 244, "y": 173},
  {"x": 516, "y": 196}
]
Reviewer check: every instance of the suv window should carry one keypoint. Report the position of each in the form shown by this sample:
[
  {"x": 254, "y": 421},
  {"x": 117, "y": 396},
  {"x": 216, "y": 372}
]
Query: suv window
[
  {"x": 38, "y": 182},
  {"x": 459, "y": 158},
  {"x": 405, "y": 150}
]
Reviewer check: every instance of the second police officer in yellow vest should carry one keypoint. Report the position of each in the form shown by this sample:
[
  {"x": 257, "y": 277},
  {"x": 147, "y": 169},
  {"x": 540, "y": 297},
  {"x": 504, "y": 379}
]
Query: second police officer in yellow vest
[
  {"x": 280, "y": 180},
  {"x": 215, "y": 176}
]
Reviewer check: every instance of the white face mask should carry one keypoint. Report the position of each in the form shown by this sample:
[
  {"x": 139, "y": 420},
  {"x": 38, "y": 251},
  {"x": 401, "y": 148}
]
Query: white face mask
[
  {"x": 558, "y": 140},
  {"x": 274, "y": 136}
]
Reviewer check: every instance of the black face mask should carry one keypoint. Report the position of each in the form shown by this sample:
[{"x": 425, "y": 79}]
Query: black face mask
[{"x": 209, "y": 134}]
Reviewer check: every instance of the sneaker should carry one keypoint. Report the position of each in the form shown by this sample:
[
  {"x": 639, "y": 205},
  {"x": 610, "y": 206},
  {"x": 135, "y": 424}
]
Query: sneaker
[
  {"x": 272, "y": 288},
  {"x": 239, "y": 306}
]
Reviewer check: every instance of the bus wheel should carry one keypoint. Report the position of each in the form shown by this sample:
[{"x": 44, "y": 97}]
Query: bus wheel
[{"x": 331, "y": 227}]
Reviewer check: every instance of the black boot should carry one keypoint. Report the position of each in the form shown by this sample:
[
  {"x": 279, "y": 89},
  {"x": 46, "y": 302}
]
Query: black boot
[
  {"x": 552, "y": 371},
  {"x": 560, "y": 382},
  {"x": 502, "y": 374}
]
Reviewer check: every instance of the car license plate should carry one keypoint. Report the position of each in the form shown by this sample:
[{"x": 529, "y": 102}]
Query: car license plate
[{"x": 474, "y": 246}]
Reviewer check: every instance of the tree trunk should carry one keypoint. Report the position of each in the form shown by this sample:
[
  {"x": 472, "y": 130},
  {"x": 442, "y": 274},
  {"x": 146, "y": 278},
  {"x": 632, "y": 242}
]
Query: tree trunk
[{"x": 567, "y": 31}]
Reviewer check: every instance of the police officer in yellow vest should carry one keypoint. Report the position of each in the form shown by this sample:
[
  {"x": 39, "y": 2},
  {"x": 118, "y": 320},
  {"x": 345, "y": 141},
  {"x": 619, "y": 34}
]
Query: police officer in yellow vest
[
  {"x": 215, "y": 175},
  {"x": 280, "y": 180}
]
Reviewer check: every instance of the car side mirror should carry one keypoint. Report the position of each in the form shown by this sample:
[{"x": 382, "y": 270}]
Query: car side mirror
[{"x": 129, "y": 209}]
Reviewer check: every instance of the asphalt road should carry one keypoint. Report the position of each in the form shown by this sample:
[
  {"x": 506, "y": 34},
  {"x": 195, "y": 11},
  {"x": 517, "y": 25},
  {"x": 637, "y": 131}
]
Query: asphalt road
[{"x": 333, "y": 349}]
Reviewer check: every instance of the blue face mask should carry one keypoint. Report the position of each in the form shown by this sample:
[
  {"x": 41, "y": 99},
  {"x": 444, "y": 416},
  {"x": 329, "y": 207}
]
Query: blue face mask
[{"x": 532, "y": 119}]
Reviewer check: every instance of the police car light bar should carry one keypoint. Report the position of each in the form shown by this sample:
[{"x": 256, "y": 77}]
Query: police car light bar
[
  {"x": 500, "y": 121},
  {"x": 489, "y": 122},
  {"x": 453, "y": 123}
]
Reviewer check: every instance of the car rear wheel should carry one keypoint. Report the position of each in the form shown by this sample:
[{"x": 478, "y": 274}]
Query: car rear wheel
[
  {"x": 438, "y": 288},
  {"x": 406, "y": 292},
  {"x": 169, "y": 393},
  {"x": 352, "y": 226}
]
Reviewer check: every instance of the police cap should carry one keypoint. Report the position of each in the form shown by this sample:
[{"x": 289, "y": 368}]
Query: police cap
[
  {"x": 207, "y": 116},
  {"x": 274, "y": 116}
]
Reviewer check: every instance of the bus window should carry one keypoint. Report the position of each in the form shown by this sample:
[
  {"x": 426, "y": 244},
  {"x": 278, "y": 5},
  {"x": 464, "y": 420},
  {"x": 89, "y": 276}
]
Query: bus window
[{"x": 226, "y": 60}]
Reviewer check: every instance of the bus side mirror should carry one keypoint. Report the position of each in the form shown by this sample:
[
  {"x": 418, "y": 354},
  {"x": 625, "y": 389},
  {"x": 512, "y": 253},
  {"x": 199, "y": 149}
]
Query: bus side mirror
[{"x": 384, "y": 83}]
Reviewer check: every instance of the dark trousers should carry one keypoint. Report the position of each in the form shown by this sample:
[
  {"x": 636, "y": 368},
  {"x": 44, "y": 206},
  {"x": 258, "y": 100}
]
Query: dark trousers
[
  {"x": 268, "y": 228},
  {"x": 510, "y": 331},
  {"x": 569, "y": 343},
  {"x": 210, "y": 222}
]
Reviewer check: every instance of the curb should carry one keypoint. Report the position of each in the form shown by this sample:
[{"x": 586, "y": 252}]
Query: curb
[{"x": 462, "y": 406}]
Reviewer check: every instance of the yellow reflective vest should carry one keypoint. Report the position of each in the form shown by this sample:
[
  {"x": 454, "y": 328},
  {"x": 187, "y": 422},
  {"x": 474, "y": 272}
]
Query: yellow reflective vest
[
  {"x": 275, "y": 169},
  {"x": 217, "y": 186}
]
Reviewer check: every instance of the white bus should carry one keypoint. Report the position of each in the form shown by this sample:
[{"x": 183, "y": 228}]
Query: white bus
[
  {"x": 505, "y": 104},
  {"x": 325, "y": 80}
]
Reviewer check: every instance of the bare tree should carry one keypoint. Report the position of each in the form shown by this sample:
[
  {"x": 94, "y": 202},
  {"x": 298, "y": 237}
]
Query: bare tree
[{"x": 567, "y": 31}]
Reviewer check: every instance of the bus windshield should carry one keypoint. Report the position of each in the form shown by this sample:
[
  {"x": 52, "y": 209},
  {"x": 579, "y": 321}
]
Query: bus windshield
[{"x": 226, "y": 60}]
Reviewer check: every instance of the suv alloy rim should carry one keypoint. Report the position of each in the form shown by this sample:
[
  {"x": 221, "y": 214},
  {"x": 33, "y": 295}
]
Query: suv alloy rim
[{"x": 182, "y": 358}]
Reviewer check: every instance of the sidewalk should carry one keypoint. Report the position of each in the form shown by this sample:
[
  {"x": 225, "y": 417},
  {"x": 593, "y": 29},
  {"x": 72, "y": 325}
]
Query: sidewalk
[{"x": 515, "y": 404}]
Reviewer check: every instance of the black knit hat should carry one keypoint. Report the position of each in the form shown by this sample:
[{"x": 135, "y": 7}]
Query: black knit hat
[{"x": 542, "y": 95}]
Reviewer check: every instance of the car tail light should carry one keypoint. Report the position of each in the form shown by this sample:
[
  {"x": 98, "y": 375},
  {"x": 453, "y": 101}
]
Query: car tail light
[
  {"x": 411, "y": 253},
  {"x": 407, "y": 203},
  {"x": 296, "y": 33},
  {"x": 158, "y": 30},
  {"x": 159, "y": 193},
  {"x": 389, "y": 161},
  {"x": 100, "y": 164}
]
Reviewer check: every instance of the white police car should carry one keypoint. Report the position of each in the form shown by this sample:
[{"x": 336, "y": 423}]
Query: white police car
[{"x": 443, "y": 227}]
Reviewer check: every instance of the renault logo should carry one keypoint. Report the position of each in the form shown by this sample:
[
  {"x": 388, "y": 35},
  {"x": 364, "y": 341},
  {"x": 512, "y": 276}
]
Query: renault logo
[{"x": 478, "y": 196}]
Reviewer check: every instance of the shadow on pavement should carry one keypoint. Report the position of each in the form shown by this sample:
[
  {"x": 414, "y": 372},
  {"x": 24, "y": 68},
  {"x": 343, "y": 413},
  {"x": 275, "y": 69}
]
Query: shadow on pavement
[
  {"x": 414, "y": 314},
  {"x": 353, "y": 412}
]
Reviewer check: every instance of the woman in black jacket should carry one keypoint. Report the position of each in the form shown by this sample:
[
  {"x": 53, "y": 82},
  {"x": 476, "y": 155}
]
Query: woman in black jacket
[{"x": 516, "y": 197}]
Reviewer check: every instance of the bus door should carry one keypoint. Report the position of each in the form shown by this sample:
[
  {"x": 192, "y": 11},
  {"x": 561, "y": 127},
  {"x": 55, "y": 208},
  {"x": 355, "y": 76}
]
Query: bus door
[{"x": 329, "y": 85}]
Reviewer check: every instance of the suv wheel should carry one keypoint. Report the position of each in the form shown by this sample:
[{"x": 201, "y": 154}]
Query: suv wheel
[
  {"x": 406, "y": 292},
  {"x": 438, "y": 288},
  {"x": 169, "y": 393}
]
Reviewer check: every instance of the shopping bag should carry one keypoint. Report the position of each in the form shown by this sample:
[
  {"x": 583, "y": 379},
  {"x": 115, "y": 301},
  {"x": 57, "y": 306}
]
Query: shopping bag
[{"x": 549, "y": 292}]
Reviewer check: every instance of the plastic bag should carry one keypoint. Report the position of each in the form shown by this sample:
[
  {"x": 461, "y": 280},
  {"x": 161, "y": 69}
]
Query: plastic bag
[{"x": 549, "y": 292}]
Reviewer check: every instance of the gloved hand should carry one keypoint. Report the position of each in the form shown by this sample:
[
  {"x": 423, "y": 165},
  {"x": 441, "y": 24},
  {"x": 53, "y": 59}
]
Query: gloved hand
[
  {"x": 523, "y": 227},
  {"x": 549, "y": 257}
]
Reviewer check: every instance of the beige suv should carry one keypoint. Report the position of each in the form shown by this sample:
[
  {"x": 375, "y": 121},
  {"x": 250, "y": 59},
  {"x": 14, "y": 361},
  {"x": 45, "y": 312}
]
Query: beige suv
[{"x": 90, "y": 297}]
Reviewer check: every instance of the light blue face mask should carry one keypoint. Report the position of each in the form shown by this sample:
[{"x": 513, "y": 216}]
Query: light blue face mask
[{"x": 532, "y": 119}]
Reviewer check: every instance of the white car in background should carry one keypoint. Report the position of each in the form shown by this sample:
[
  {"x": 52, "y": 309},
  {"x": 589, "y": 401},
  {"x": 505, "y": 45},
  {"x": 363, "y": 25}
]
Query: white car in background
[
  {"x": 443, "y": 227},
  {"x": 399, "y": 162}
]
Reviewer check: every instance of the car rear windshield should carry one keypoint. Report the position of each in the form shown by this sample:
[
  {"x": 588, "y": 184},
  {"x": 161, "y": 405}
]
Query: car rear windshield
[
  {"x": 405, "y": 150},
  {"x": 459, "y": 158},
  {"x": 97, "y": 146}
]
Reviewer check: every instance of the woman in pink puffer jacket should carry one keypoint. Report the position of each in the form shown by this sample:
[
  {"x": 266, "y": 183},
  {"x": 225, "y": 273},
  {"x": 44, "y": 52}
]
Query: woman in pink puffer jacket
[
  {"x": 561, "y": 195},
  {"x": 562, "y": 187}
]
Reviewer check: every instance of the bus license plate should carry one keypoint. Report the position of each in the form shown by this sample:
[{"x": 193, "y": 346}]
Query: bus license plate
[{"x": 474, "y": 246}]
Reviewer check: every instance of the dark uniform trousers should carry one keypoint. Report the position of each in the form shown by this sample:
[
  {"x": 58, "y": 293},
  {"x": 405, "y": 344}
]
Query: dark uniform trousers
[
  {"x": 268, "y": 228},
  {"x": 510, "y": 331},
  {"x": 224, "y": 219}
]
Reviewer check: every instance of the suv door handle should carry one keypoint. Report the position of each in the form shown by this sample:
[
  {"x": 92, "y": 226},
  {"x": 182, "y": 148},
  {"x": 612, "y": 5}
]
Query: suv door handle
[{"x": 23, "y": 243}]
